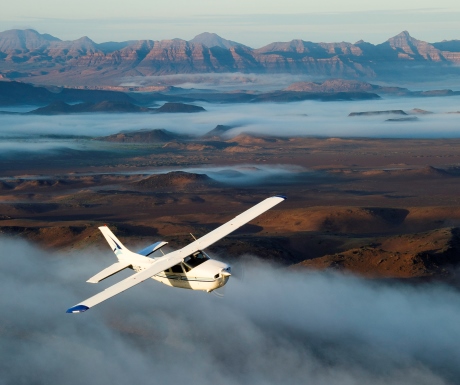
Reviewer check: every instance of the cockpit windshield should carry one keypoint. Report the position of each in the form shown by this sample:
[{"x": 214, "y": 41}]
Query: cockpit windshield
[{"x": 196, "y": 259}]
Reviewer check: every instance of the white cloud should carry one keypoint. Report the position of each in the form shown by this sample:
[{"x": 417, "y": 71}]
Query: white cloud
[
  {"x": 308, "y": 327},
  {"x": 309, "y": 118}
]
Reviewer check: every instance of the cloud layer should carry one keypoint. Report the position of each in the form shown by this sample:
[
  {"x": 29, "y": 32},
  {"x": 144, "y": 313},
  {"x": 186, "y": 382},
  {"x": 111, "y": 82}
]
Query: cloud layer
[
  {"x": 276, "y": 326},
  {"x": 248, "y": 174},
  {"x": 308, "y": 118}
]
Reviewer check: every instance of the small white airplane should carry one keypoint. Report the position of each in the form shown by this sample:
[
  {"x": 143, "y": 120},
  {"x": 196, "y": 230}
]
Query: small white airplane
[{"x": 187, "y": 268}]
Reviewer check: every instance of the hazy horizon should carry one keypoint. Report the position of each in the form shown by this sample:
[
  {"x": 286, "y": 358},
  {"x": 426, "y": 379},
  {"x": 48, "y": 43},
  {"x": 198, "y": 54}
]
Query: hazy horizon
[
  {"x": 254, "y": 24},
  {"x": 364, "y": 37}
]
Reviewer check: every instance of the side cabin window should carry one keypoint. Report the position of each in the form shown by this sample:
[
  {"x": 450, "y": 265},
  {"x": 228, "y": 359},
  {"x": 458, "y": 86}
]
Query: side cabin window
[
  {"x": 177, "y": 269},
  {"x": 195, "y": 259}
]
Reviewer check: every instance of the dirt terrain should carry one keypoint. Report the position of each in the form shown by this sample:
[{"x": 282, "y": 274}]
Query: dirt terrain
[{"x": 378, "y": 208}]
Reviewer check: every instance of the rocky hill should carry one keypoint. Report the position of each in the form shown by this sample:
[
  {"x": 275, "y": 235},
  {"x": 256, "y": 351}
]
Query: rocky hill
[
  {"x": 175, "y": 180},
  {"x": 218, "y": 131},
  {"x": 41, "y": 58},
  {"x": 355, "y": 86},
  {"x": 179, "y": 107},
  {"x": 343, "y": 85},
  {"x": 436, "y": 254},
  {"x": 13, "y": 92},
  {"x": 332, "y": 85},
  {"x": 142, "y": 136},
  {"x": 372, "y": 113},
  {"x": 62, "y": 108}
]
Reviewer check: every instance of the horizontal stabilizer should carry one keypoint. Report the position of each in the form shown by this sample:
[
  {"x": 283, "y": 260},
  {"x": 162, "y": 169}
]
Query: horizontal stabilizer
[
  {"x": 152, "y": 248},
  {"x": 111, "y": 270},
  {"x": 156, "y": 267}
]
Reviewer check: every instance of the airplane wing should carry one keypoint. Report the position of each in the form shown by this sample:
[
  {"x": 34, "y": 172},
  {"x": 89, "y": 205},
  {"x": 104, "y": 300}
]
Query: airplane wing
[
  {"x": 157, "y": 266},
  {"x": 160, "y": 264},
  {"x": 227, "y": 228}
]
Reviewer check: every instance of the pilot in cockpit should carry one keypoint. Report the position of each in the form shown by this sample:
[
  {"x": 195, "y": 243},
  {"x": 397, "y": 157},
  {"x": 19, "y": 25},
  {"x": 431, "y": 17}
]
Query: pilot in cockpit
[{"x": 196, "y": 259}]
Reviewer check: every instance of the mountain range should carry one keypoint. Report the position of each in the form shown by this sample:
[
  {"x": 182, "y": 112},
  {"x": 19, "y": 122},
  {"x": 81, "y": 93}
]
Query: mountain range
[{"x": 27, "y": 55}]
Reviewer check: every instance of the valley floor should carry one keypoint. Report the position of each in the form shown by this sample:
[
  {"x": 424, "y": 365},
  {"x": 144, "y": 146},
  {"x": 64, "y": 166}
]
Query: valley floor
[{"x": 380, "y": 208}]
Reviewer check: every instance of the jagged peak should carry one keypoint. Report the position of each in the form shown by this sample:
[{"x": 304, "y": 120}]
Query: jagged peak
[
  {"x": 85, "y": 39},
  {"x": 30, "y": 32},
  {"x": 402, "y": 36},
  {"x": 24, "y": 39},
  {"x": 297, "y": 41},
  {"x": 207, "y": 34},
  {"x": 16, "y": 30},
  {"x": 84, "y": 43},
  {"x": 211, "y": 39},
  {"x": 405, "y": 39},
  {"x": 404, "y": 33}
]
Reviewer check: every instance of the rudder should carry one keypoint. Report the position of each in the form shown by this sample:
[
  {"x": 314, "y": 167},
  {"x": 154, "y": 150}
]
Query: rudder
[{"x": 117, "y": 247}]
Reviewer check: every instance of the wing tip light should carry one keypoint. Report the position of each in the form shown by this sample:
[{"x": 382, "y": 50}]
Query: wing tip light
[
  {"x": 77, "y": 309},
  {"x": 281, "y": 196}
]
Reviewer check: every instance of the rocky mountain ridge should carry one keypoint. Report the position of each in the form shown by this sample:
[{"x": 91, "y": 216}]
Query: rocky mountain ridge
[{"x": 42, "y": 58}]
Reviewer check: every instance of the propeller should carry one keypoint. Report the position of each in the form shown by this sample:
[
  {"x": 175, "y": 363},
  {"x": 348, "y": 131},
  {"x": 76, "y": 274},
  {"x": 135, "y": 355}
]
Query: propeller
[
  {"x": 220, "y": 292},
  {"x": 238, "y": 271},
  {"x": 224, "y": 274}
]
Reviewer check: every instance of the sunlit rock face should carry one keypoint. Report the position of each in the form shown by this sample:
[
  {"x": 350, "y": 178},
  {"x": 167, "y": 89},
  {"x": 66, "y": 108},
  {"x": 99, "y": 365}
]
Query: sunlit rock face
[{"x": 42, "y": 57}]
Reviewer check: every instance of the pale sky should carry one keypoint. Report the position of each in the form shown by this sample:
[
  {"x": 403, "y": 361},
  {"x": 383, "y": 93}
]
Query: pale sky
[{"x": 254, "y": 22}]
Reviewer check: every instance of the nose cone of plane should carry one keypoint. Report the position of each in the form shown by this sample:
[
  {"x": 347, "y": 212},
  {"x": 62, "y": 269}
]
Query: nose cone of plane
[{"x": 225, "y": 273}]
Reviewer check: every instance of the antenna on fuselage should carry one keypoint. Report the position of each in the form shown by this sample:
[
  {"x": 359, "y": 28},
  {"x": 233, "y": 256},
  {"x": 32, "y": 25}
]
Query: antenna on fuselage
[{"x": 193, "y": 236}]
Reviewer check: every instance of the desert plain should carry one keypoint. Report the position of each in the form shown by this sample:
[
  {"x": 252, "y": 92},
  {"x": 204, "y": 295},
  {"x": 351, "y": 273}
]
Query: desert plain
[{"x": 379, "y": 208}]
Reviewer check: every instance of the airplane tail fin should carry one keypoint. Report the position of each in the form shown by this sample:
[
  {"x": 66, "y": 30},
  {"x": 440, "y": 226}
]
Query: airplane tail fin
[
  {"x": 118, "y": 248},
  {"x": 126, "y": 258}
]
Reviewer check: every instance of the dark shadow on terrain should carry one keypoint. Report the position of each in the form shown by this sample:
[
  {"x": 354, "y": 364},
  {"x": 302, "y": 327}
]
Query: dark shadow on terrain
[
  {"x": 365, "y": 193},
  {"x": 398, "y": 196},
  {"x": 36, "y": 208},
  {"x": 125, "y": 192},
  {"x": 27, "y": 231},
  {"x": 248, "y": 229},
  {"x": 71, "y": 217},
  {"x": 126, "y": 229},
  {"x": 274, "y": 249},
  {"x": 393, "y": 216}
]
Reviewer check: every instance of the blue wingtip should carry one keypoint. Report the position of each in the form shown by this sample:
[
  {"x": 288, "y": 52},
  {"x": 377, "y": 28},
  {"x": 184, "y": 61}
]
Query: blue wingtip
[
  {"x": 77, "y": 309},
  {"x": 281, "y": 196}
]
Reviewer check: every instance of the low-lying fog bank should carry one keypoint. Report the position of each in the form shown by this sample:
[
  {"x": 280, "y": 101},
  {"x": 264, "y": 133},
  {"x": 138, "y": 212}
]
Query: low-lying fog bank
[
  {"x": 218, "y": 81},
  {"x": 273, "y": 327},
  {"x": 246, "y": 174},
  {"x": 308, "y": 118}
]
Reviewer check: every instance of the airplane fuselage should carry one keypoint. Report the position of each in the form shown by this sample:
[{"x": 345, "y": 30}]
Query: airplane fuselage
[{"x": 208, "y": 276}]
